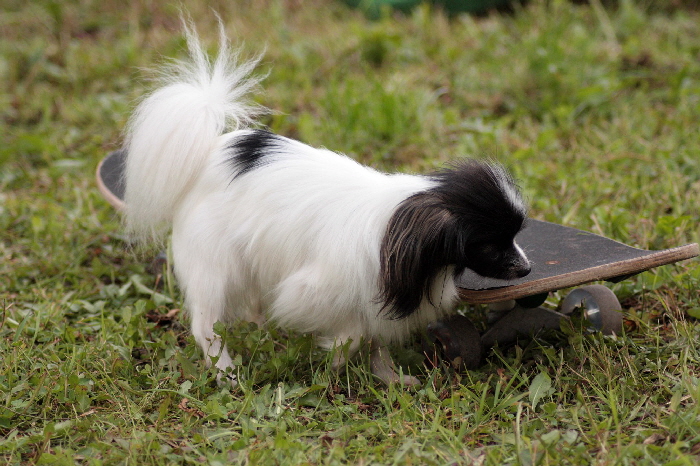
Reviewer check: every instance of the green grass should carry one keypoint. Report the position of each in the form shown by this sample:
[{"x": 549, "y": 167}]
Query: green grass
[{"x": 594, "y": 108}]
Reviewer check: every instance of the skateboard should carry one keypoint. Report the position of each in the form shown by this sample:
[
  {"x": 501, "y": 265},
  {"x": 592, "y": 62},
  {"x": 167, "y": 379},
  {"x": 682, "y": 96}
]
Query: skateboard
[
  {"x": 561, "y": 257},
  {"x": 110, "y": 178}
]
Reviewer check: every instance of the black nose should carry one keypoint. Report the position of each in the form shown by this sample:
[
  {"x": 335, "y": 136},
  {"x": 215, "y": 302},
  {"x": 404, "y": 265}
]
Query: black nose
[{"x": 523, "y": 270}]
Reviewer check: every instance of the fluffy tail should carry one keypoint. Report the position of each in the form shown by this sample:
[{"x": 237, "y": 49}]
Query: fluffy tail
[{"x": 174, "y": 129}]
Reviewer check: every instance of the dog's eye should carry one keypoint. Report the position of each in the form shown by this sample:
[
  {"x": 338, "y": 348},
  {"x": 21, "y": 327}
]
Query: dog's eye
[{"x": 488, "y": 249}]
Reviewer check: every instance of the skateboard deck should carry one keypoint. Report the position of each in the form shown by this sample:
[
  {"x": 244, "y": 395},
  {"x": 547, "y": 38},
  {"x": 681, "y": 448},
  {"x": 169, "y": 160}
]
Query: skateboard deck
[{"x": 561, "y": 256}]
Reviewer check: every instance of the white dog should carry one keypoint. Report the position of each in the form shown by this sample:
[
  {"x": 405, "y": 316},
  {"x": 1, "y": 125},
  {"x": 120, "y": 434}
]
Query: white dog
[{"x": 268, "y": 228}]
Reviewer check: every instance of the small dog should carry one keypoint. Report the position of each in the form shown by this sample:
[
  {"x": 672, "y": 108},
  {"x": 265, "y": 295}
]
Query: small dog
[{"x": 268, "y": 228}]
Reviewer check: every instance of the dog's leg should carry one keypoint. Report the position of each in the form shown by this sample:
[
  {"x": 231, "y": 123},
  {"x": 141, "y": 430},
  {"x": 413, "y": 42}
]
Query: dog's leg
[
  {"x": 345, "y": 350},
  {"x": 206, "y": 304},
  {"x": 383, "y": 367},
  {"x": 206, "y": 281},
  {"x": 203, "y": 331}
]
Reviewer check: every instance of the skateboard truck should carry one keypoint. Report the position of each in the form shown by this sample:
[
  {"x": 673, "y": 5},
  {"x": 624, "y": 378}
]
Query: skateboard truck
[{"x": 456, "y": 340}]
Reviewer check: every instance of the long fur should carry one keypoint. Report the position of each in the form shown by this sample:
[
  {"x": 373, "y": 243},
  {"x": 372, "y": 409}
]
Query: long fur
[
  {"x": 174, "y": 126},
  {"x": 267, "y": 228}
]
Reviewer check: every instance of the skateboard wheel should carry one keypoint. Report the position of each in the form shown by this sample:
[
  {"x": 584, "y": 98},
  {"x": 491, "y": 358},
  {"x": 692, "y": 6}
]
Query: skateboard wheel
[
  {"x": 521, "y": 322},
  {"x": 600, "y": 305},
  {"x": 456, "y": 340}
]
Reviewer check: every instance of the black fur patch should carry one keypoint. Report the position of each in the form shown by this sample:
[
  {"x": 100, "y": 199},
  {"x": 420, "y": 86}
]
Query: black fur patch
[
  {"x": 414, "y": 249},
  {"x": 468, "y": 220},
  {"x": 252, "y": 151},
  {"x": 475, "y": 193}
]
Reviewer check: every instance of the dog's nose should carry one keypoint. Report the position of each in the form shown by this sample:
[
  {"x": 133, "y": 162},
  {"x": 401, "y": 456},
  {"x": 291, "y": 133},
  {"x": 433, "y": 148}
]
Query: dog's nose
[{"x": 523, "y": 270}]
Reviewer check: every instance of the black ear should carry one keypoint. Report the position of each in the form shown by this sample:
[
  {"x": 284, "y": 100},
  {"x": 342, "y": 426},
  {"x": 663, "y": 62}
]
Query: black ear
[{"x": 415, "y": 247}]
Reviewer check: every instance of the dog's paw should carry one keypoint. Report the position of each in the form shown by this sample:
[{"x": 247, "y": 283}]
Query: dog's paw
[
  {"x": 410, "y": 381},
  {"x": 227, "y": 379},
  {"x": 384, "y": 369},
  {"x": 389, "y": 378}
]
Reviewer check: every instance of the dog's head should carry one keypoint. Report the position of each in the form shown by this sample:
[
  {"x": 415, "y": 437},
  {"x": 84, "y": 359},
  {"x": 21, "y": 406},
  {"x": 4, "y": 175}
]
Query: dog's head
[{"x": 469, "y": 219}]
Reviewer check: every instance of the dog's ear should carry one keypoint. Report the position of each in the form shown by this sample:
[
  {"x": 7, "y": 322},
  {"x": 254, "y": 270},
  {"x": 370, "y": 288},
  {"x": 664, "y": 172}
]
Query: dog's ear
[{"x": 419, "y": 241}]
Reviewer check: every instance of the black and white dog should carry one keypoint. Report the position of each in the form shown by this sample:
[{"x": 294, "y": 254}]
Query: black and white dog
[{"x": 267, "y": 228}]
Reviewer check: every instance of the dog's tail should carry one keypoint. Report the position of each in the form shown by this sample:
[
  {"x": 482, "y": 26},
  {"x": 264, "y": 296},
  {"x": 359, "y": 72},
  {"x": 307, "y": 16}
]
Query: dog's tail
[{"x": 173, "y": 131}]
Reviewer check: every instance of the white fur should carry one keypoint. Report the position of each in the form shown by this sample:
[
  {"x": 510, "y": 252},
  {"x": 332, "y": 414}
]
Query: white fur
[
  {"x": 279, "y": 243},
  {"x": 295, "y": 241},
  {"x": 174, "y": 129}
]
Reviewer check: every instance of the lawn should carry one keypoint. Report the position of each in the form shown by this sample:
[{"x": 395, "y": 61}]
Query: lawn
[{"x": 594, "y": 107}]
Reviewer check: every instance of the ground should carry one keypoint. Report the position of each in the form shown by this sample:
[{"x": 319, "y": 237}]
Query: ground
[{"x": 594, "y": 107}]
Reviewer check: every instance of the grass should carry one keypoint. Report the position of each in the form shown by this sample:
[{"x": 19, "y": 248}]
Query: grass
[{"x": 594, "y": 108}]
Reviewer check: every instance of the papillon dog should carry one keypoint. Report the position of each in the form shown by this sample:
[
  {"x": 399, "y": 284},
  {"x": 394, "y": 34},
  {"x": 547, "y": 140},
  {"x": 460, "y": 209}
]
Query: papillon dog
[{"x": 266, "y": 228}]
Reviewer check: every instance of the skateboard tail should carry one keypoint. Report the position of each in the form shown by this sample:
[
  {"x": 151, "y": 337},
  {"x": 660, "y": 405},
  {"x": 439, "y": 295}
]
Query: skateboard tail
[{"x": 173, "y": 132}]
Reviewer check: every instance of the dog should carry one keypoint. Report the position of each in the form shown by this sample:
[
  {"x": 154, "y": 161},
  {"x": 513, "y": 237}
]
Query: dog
[{"x": 266, "y": 228}]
